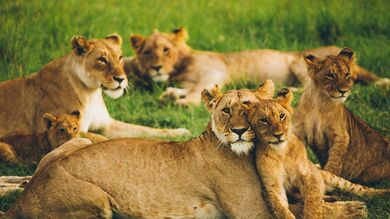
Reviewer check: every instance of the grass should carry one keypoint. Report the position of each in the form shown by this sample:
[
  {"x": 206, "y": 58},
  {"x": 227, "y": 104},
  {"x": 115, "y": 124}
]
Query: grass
[{"x": 35, "y": 32}]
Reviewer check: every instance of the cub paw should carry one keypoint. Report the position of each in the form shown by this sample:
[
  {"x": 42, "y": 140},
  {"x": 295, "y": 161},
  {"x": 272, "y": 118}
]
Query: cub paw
[
  {"x": 383, "y": 82},
  {"x": 347, "y": 209}
]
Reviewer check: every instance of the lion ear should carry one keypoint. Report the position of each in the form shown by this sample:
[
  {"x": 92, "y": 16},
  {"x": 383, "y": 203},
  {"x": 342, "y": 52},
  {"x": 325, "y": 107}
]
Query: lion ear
[
  {"x": 49, "y": 119},
  {"x": 75, "y": 113},
  {"x": 347, "y": 54},
  {"x": 137, "y": 41},
  {"x": 180, "y": 35},
  {"x": 265, "y": 90},
  {"x": 80, "y": 45},
  {"x": 115, "y": 39},
  {"x": 210, "y": 96},
  {"x": 285, "y": 97}
]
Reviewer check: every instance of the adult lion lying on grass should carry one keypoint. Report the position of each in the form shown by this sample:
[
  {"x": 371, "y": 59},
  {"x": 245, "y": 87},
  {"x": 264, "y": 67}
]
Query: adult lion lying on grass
[
  {"x": 209, "y": 176},
  {"x": 74, "y": 81},
  {"x": 167, "y": 57}
]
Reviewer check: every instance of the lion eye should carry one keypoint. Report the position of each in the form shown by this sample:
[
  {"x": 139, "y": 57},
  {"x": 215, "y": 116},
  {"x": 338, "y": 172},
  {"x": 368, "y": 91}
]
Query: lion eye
[
  {"x": 166, "y": 50},
  {"x": 226, "y": 110},
  {"x": 102, "y": 60},
  {"x": 147, "y": 53},
  {"x": 331, "y": 76},
  {"x": 282, "y": 116},
  {"x": 120, "y": 58},
  {"x": 246, "y": 102},
  {"x": 347, "y": 75},
  {"x": 74, "y": 129},
  {"x": 62, "y": 129},
  {"x": 264, "y": 121}
]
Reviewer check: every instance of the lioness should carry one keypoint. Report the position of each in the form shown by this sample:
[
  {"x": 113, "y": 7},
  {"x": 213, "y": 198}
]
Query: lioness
[
  {"x": 283, "y": 165},
  {"x": 74, "y": 81},
  {"x": 344, "y": 144},
  {"x": 205, "y": 177},
  {"x": 167, "y": 57}
]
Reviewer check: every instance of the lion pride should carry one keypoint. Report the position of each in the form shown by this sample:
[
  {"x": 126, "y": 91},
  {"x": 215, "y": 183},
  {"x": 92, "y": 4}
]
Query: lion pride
[
  {"x": 74, "y": 81},
  {"x": 167, "y": 57},
  {"x": 205, "y": 177}
]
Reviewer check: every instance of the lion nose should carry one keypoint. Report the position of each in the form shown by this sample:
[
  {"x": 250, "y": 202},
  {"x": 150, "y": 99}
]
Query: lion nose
[
  {"x": 342, "y": 91},
  {"x": 278, "y": 135},
  {"x": 119, "y": 79},
  {"x": 157, "y": 68},
  {"x": 239, "y": 132}
]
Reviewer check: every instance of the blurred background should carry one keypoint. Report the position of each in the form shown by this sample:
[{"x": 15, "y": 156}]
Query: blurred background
[{"x": 35, "y": 32}]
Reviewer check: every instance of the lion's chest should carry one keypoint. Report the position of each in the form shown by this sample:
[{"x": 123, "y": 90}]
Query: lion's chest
[
  {"x": 315, "y": 135},
  {"x": 94, "y": 113}
]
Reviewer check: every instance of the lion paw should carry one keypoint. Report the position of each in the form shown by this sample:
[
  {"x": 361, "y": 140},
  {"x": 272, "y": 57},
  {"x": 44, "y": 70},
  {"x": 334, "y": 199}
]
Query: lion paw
[
  {"x": 383, "y": 82},
  {"x": 345, "y": 209},
  {"x": 173, "y": 94}
]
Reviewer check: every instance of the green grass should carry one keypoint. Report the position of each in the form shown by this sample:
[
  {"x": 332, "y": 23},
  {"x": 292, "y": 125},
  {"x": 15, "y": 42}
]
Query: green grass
[{"x": 35, "y": 32}]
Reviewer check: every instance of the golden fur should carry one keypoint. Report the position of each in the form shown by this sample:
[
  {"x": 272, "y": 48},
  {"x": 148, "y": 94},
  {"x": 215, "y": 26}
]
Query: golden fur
[
  {"x": 167, "y": 57},
  {"x": 74, "y": 81},
  {"x": 199, "y": 178},
  {"x": 283, "y": 165},
  {"x": 344, "y": 144},
  {"x": 30, "y": 148}
]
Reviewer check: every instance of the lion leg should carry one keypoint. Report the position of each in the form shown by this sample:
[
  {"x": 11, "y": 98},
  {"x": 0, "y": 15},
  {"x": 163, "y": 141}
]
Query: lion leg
[
  {"x": 312, "y": 194},
  {"x": 70, "y": 197},
  {"x": 380, "y": 172},
  {"x": 118, "y": 129},
  {"x": 7, "y": 154}
]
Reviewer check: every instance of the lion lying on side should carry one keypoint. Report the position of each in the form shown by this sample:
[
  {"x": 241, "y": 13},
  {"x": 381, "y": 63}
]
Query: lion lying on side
[
  {"x": 283, "y": 165},
  {"x": 30, "y": 148},
  {"x": 74, "y": 81},
  {"x": 209, "y": 176},
  {"x": 344, "y": 144},
  {"x": 166, "y": 57}
]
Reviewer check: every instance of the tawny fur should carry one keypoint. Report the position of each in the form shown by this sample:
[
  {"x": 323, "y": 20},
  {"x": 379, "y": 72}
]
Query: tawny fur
[
  {"x": 166, "y": 57},
  {"x": 344, "y": 144},
  {"x": 199, "y": 178},
  {"x": 283, "y": 165},
  {"x": 74, "y": 81}
]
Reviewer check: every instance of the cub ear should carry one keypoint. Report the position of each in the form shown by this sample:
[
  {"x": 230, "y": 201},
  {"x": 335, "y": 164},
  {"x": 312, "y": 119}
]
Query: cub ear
[
  {"x": 137, "y": 41},
  {"x": 347, "y": 54},
  {"x": 265, "y": 90},
  {"x": 80, "y": 45},
  {"x": 115, "y": 39},
  {"x": 180, "y": 35},
  {"x": 49, "y": 119},
  {"x": 310, "y": 59},
  {"x": 285, "y": 97},
  {"x": 75, "y": 113},
  {"x": 210, "y": 96}
]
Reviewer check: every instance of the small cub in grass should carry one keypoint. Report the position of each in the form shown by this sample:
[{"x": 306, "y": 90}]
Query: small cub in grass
[
  {"x": 30, "y": 148},
  {"x": 284, "y": 167}
]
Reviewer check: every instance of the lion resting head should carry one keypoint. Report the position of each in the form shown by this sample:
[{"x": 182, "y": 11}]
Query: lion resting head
[
  {"x": 158, "y": 54},
  {"x": 271, "y": 119},
  {"x": 229, "y": 120},
  {"x": 99, "y": 63},
  {"x": 61, "y": 128},
  {"x": 332, "y": 75}
]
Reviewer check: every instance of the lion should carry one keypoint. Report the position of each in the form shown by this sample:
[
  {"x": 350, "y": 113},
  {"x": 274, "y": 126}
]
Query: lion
[
  {"x": 204, "y": 177},
  {"x": 74, "y": 81},
  {"x": 344, "y": 144},
  {"x": 284, "y": 167},
  {"x": 22, "y": 148},
  {"x": 166, "y": 57}
]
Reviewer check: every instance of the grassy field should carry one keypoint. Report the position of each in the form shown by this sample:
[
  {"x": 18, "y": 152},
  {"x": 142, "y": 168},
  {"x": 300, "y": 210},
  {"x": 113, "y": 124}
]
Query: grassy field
[{"x": 35, "y": 32}]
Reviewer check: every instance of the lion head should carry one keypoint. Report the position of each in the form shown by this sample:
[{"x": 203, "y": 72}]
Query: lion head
[
  {"x": 62, "y": 128},
  {"x": 271, "y": 119},
  {"x": 332, "y": 75},
  {"x": 158, "y": 54},
  {"x": 229, "y": 120},
  {"x": 99, "y": 63}
]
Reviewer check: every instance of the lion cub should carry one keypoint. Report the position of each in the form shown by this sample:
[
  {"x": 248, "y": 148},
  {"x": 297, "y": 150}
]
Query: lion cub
[
  {"x": 30, "y": 148},
  {"x": 283, "y": 165},
  {"x": 344, "y": 144}
]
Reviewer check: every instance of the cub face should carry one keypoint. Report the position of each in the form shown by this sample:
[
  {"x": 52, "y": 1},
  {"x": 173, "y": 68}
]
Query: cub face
[
  {"x": 62, "y": 128},
  {"x": 271, "y": 119},
  {"x": 229, "y": 118},
  {"x": 332, "y": 75},
  {"x": 100, "y": 65},
  {"x": 158, "y": 54}
]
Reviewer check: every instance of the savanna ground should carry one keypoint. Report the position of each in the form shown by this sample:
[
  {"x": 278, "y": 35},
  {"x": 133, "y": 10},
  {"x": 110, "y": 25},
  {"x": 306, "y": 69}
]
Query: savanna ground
[{"x": 35, "y": 32}]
